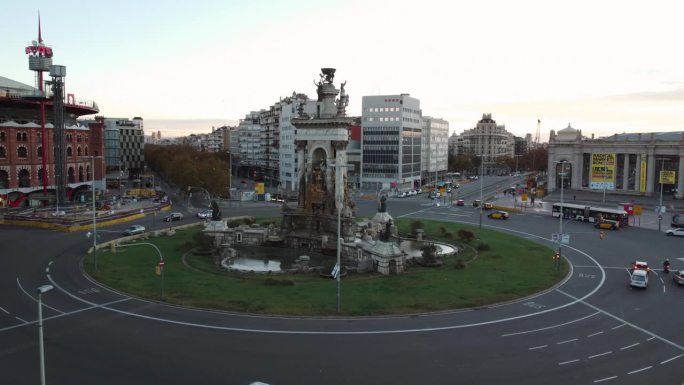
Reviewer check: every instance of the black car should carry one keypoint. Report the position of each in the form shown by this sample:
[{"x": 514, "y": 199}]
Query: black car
[{"x": 173, "y": 217}]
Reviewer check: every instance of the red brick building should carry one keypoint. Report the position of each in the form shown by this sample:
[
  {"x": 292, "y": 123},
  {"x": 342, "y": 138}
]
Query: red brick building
[{"x": 21, "y": 147}]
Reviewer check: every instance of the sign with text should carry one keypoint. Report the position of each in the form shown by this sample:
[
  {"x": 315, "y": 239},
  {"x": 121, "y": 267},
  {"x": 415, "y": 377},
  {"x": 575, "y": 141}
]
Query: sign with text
[
  {"x": 602, "y": 172},
  {"x": 667, "y": 177},
  {"x": 259, "y": 188}
]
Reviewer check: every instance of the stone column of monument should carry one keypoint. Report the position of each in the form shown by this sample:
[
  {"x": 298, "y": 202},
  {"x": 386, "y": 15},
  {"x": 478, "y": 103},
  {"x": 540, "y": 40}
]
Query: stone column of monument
[
  {"x": 340, "y": 184},
  {"x": 301, "y": 173}
]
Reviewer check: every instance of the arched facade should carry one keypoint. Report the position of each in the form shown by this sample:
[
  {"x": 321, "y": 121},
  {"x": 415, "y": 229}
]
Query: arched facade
[{"x": 625, "y": 163}]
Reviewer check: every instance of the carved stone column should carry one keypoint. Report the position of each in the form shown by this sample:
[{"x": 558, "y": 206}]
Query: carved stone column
[
  {"x": 625, "y": 172},
  {"x": 301, "y": 173},
  {"x": 650, "y": 173}
]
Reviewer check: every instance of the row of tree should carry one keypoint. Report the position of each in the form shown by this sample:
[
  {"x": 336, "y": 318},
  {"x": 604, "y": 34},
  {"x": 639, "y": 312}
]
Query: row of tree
[
  {"x": 184, "y": 166},
  {"x": 533, "y": 160}
]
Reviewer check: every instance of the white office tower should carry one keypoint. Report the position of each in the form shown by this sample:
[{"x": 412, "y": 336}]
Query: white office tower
[
  {"x": 435, "y": 149},
  {"x": 391, "y": 142}
]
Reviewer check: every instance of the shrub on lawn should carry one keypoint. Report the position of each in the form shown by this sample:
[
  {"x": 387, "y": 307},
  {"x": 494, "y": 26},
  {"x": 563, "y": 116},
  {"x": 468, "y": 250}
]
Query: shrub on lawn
[
  {"x": 483, "y": 246},
  {"x": 465, "y": 235},
  {"x": 460, "y": 265},
  {"x": 415, "y": 225}
]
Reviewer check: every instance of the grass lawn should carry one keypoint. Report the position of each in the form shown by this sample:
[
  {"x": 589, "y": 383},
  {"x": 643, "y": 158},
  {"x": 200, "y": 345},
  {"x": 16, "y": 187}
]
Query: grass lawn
[{"x": 510, "y": 268}]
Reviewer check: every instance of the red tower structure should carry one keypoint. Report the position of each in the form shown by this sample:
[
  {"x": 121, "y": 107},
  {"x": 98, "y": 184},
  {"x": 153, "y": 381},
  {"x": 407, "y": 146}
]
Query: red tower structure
[{"x": 40, "y": 60}]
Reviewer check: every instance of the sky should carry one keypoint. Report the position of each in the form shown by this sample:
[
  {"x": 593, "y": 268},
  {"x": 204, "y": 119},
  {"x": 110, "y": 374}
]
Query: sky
[{"x": 603, "y": 66}]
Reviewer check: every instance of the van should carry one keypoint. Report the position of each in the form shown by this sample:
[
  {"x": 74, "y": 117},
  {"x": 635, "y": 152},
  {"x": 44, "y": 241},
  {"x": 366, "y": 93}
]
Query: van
[{"x": 639, "y": 278}]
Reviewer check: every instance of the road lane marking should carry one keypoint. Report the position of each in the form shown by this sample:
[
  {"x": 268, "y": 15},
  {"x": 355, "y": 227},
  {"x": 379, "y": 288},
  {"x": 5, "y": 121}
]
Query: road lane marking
[
  {"x": 565, "y": 342},
  {"x": 639, "y": 370},
  {"x": 671, "y": 343},
  {"x": 671, "y": 359},
  {"x": 6, "y": 312},
  {"x": 629, "y": 346},
  {"x": 538, "y": 347},
  {"x": 35, "y": 300},
  {"x": 605, "y": 379},
  {"x": 594, "y": 334},
  {"x": 67, "y": 293},
  {"x": 648, "y": 339},
  {"x": 567, "y": 362},
  {"x": 618, "y": 327},
  {"x": 22, "y": 320},
  {"x": 65, "y": 314},
  {"x": 50, "y": 263},
  {"x": 549, "y": 327},
  {"x": 600, "y": 354}
]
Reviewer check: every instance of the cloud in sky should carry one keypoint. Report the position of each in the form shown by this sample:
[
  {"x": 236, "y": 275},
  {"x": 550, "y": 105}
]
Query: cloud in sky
[{"x": 522, "y": 60}]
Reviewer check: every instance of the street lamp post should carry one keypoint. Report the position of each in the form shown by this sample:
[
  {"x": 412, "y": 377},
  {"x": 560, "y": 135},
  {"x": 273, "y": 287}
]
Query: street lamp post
[
  {"x": 560, "y": 217},
  {"x": 340, "y": 206},
  {"x": 92, "y": 187},
  {"x": 41, "y": 290},
  {"x": 660, "y": 204},
  {"x": 161, "y": 262},
  {"x": 481, "y": 185},
  {"x": 605, "y": 174}
]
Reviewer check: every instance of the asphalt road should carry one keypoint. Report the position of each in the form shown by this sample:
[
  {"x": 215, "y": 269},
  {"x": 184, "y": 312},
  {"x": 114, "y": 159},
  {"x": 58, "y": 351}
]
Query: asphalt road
[{"x": 591, "y": 329}]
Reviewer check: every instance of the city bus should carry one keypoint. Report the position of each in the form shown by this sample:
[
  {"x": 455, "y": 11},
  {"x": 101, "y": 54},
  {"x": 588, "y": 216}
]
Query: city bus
[{"x": 591, "y": 214}]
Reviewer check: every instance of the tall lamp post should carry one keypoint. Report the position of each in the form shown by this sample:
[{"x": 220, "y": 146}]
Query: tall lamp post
[
  {"x": 560, "y": 217},
  {"x": 41, "y": 290},
  {"x": 161, "y": 262},
  {"x": 340, "y": 206},
  {"x": 92, "y": 187},
  {"x": 481, "y": 185},
  {"x": 660, "y": 204}
]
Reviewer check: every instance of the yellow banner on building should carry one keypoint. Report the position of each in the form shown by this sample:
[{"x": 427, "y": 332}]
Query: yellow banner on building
[
  {"x": 642, "y": 175},
  {"x": 602, "y": 172},
  {"x": 259, "y": 187},
  {"x": 667, "y": 177}
]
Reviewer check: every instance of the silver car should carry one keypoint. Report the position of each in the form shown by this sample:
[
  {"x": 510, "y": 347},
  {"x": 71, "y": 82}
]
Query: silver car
[{"x": 135, "y": 229}]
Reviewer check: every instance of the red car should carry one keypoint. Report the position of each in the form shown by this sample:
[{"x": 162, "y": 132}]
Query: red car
[
  {"x": 639, "y": 265},
  {"x": 460, "y": 202}
]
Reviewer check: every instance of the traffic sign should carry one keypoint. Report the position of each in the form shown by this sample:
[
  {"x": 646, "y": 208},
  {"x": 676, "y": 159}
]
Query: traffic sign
[
  {"x": 637, "y": 210},
  {"x": 565, "y": 239},
  {"x": 161, "y": 263},
  {"x": 554, "y": 237},
  {"x": 335, "y": 271}
]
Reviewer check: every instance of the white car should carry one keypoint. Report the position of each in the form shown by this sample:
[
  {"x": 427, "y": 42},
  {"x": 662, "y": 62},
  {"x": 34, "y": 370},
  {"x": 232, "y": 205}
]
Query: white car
[
  {"x": 204, "y": 214},
  {"x": 639, "y": 278},
  {"x": 135, "y": 229},
  {"x": 676, "y": 232}
]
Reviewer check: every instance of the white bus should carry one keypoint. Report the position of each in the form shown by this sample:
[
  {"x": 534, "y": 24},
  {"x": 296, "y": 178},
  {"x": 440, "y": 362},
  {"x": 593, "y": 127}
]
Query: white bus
[{"x": 591, "y": 214}]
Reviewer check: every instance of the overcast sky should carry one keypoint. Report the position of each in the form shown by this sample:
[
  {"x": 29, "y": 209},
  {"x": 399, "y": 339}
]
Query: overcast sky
[{"x": 603, "y": 66}]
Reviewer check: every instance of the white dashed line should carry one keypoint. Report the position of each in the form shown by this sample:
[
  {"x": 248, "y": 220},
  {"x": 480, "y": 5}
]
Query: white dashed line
[
  {"x": 600, "y": 354},
  {"x": 594, "y": 334},
  {"x": 567, "y": 362},
  {"x": 639, "y": 370},
  {"x": 648, "y": 339},
  {"x": 549, "y": 327},
  {"x": 605, "y": 379},
  {"x": 565, "y": 342},
  {"x": 6, "y": 312},
  {"x": 618, "y": 327},
  {"x": 629, "y": 346},
  {"x": 24, "y": 321},
  {"x": 538, "y": 347},
  {"x": 47, "y": 269},
  {"x": 671, "y": 359},
  {"x": 50, "y": 263}
]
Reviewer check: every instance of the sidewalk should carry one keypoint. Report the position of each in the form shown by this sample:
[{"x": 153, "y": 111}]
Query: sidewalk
[{"x": 647, "y": 220}]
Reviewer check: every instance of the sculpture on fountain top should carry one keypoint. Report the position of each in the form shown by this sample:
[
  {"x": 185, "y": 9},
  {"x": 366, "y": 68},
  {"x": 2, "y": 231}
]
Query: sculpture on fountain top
[
  {"x": 383, "y": 204},
  {"x": 215, "y": 211}
]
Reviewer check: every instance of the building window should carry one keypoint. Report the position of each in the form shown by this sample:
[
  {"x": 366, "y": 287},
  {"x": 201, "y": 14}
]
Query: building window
[
  {"x": 22, "y": 152},
  {"x": 24, "y": 178},
  {"x": 39, "y": 151},
  {"x": 3, "y": 152},
  {"x": 70, "y": 152},
  {"x": 86, "y": 151},
  {"x": 78, "y": 151},
  {"x": 80, "y": 173},
  {"x": 3, "y": 136},
  {"x": 4, "y": 179},
  {"x": 72, "y": 177}
]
